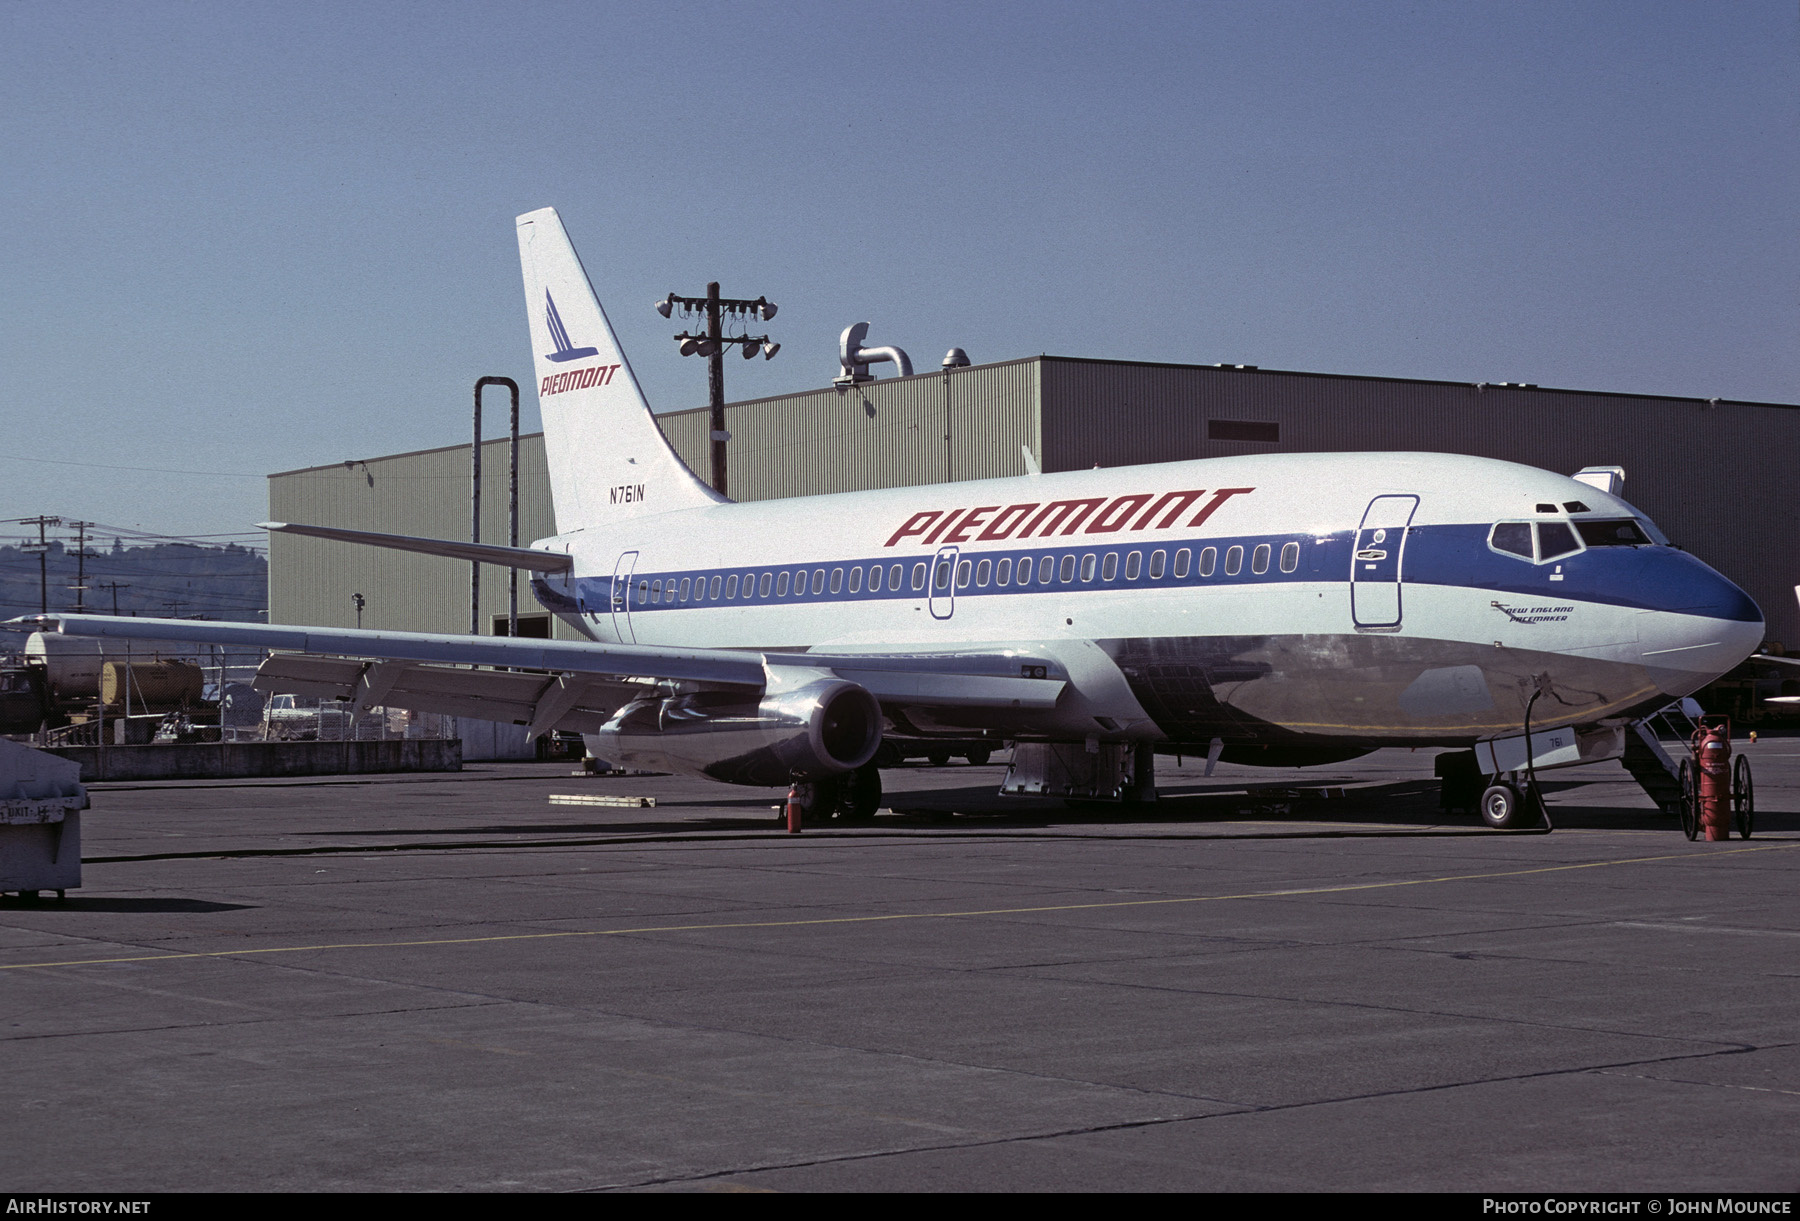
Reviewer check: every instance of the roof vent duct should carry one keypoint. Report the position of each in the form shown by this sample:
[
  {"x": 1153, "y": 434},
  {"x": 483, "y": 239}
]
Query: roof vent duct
[
  {"x": 956, "y": 358},
  {"x": 856, "y": 359}
]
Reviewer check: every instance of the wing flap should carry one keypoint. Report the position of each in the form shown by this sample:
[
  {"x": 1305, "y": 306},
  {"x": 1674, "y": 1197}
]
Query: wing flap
[{"x": 542, "y": 701}]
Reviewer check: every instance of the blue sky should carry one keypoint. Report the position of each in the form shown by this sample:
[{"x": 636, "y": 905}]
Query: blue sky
[{"x": 246, "y": 238}]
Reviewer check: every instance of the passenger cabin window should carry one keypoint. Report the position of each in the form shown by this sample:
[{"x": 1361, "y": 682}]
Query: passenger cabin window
[
  {"x": 818, "y": 580},
  {"x": 762, "y": 587},
  {"x": 837, "y": 580},
  {"x": 781, "y": 583},
  {"x": 1290, "y": 556},
  {"x": 1181, "y": 563},
  {"x": 685, "y": 583},
  {"x": 1003, "y": 572},
  {"x": 1209, "y": 560},
  {"x": 1087, "y": 566},
  {"x": 731, "y": 587},
  {"x": 1259, "y": 559},
  {"x": 962, "y": 575},
  {"x": 1134, "y": 564},
  {"x": 1068, "y": 568},
  {"x": 712, "y": 589},
  {"x": 983, "y": 572},
  {"x": 1234, "y": 561},
  {"x": 1109, "y": 567},
  {"x": 918, "y": 581},
  {"x": 894, "y": 571},
  {"x": 855, "y": 580},
  {"x": 1158, "y": 565},
  {"x": 1047, "y": 569}
]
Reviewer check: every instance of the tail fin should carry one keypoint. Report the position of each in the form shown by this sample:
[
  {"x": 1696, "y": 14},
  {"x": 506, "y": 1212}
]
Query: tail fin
[{"x": 608, "y": 459}]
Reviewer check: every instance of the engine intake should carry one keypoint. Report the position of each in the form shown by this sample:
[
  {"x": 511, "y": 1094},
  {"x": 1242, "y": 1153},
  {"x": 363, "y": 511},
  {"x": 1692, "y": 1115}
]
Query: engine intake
[{"x": 825, "y": 728}]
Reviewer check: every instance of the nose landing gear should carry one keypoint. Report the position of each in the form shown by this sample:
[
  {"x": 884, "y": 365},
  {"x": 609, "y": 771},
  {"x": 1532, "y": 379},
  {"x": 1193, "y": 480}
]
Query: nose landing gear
[{"x": 1507, "y": 806}]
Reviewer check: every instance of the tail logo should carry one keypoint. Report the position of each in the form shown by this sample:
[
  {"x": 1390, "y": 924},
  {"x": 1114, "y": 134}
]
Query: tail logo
[{"x": 565, "y": 348}]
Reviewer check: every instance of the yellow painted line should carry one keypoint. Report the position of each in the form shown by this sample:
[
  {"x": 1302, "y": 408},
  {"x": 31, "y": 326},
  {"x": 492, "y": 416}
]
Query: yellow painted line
[{"x": 950, "y": 915}]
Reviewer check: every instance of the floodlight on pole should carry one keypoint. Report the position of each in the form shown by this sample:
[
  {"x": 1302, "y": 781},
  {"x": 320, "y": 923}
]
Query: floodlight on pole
[{"x": 712, "y": 345}]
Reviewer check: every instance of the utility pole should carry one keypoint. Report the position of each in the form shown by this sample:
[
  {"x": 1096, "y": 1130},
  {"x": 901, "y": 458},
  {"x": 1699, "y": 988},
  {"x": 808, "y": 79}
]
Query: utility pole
[
  {"x": 712, "y": 307},
  {"x": 42, "y": 547},
  {"x": 82, "y": 556},
  {"x": 115, "y": 586}
]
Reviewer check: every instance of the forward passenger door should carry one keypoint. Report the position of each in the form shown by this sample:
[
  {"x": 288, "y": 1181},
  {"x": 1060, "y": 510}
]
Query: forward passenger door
[{"x": 1375, "y": 565}]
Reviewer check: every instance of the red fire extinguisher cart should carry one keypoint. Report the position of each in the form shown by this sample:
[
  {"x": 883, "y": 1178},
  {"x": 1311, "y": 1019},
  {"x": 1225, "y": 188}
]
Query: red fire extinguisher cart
[{"x": 1716, "y": 792}]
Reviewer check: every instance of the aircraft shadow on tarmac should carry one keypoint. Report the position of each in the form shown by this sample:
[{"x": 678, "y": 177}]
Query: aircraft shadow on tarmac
[
  {"x": 148, "y": 906},
  {"x": 1407, "y": 807}
]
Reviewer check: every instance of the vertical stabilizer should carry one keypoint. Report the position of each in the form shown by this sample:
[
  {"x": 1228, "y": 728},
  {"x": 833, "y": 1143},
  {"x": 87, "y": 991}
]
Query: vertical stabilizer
[{"x": 608, "y": 459}]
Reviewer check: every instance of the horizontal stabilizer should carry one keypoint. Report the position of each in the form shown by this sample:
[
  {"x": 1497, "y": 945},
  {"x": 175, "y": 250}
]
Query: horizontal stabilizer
[{"x": 528, "y": 558}]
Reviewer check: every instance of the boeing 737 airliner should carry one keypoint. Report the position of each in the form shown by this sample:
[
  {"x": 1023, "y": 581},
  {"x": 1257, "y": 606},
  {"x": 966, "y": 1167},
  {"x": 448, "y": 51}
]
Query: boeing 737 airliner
[{"x": 1286, "y": 608}]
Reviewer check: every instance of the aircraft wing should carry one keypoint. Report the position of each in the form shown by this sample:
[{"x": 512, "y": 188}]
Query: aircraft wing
[{"x": 565, "y": 684}]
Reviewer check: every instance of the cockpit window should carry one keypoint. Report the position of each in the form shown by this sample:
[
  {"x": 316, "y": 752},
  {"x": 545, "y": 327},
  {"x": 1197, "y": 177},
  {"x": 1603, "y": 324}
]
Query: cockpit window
[
  {"x": 1512, "y": 537},
  {"x": 1555, "y": 539},
  {"x": 1618, "y": 533}
]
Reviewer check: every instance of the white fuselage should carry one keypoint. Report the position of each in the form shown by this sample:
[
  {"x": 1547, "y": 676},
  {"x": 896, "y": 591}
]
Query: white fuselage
[{"x": 1305, "y": 596}]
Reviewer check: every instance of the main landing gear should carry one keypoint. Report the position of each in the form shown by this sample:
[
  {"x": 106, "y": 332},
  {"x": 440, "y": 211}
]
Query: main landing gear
[{"x": 850, "y": 798}]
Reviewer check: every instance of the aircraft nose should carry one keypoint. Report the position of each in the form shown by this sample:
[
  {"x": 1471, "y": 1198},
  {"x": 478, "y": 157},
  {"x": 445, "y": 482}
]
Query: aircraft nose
[{"x": 1702, "y": 626}]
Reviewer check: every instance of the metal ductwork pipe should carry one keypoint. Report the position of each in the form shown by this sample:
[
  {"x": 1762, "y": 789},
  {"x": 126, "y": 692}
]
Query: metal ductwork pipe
[{"x": 855, "y": 359}]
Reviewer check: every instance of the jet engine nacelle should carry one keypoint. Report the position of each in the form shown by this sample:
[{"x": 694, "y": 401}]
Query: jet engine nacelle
[{"x": 821, "y": 729}]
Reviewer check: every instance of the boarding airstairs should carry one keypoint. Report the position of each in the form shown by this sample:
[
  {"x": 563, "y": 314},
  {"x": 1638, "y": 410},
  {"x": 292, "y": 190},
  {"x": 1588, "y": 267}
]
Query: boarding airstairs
[{"x": 1654, "y": 747}]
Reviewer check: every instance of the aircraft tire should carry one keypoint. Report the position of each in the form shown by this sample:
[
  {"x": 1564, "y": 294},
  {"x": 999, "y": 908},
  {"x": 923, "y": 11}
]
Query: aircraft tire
[
  {"x": 1503, "y": 808},
  {"x": 978, "y": 757},
  {"x": 1743, "y": 798},
  {"x": 861, "y": 794},
  {"x": 937, "y": 758},
  {"x": 1690, "y": 800},
  {"x": 818, "y": 800}
]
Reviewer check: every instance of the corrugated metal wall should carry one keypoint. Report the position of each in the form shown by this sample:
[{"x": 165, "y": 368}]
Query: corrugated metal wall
[
  {"x": 894, "y": 432},
  {"x": 426, "y": 493},
  {"x": 1719, "y": 479}
]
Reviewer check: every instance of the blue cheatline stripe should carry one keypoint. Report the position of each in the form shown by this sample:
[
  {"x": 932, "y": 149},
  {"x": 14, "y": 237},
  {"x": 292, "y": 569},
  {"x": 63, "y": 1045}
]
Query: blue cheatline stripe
[
  {"x": 1644, "y": 577},
  {"x": 1059, "y": 559}
]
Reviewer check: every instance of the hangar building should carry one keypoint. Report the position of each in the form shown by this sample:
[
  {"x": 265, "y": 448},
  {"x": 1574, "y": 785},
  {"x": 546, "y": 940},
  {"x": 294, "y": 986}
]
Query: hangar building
[{"x": 1717, "y": 475}]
